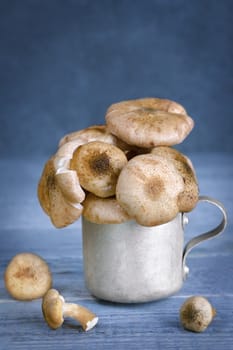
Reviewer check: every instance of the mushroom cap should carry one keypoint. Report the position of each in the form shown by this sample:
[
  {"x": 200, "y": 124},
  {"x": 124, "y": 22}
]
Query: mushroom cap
[
  {"x": 52, "y": 308},
  {"x": 92, "y": 133},
  {"x": 69, "y": 185},
  {"x": 61, "y": 212},
  {"x": 70, "y": 142},
  {"x": 196, "y": 313},
  {"x": 103, "y": 210},
  {"x": 27, "y": 277},
  {"x": 189, "y": 197},
  {"x": 98, "y": 165},
  {"x": 68, "y": 179},
  {"x": 161, "y": 104},
  {"x": 148, "y": 188},
  {"x": 149, "y": 122}
]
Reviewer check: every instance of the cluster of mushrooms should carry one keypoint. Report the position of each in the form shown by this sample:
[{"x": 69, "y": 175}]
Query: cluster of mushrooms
[{"x": 124, "y": 170}]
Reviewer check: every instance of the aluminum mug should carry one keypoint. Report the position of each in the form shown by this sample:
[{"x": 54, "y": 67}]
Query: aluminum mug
[{"x": 130, "y": 263}]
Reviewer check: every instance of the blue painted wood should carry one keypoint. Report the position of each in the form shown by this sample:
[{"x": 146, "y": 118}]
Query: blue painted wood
[{"x": 155, "y": 325}]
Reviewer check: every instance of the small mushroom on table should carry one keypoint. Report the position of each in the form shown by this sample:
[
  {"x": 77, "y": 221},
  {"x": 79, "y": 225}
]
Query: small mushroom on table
[
  {"x": 27, "y": 277},
  {"x": 55, "y": 309},
  {"x": 196, "y": 313}
]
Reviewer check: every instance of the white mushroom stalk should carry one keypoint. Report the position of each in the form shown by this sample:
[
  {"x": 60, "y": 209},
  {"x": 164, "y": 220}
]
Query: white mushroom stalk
[{"x": 81, "y": 314}]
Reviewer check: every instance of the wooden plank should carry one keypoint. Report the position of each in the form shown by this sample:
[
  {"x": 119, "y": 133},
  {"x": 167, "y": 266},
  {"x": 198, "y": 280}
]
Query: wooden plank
[{"x": 151, "y": 325}]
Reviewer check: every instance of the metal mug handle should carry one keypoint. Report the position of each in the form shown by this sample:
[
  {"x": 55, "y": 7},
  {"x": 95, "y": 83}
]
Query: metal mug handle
[{"x": 204, "y": 236}]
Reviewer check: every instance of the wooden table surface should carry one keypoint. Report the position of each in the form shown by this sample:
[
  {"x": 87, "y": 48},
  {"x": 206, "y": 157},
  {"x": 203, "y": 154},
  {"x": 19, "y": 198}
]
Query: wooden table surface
[{"x": 154, "y": 325}]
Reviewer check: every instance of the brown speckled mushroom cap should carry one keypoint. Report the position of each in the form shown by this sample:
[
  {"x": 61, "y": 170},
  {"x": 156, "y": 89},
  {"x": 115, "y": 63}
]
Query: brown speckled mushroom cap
[
  {"x": 149, "y": 122},
  {"x": 103, "y": 210},
  {"x": 196, "y": 313},
  {"x": 27, "y": 277},
  {"x": 98, "y": 165},
  {"x": 52, "y": 308},
  {"x": 61, "y": 212},
  {"x": 67, "y": 145},
  {"x": 188, "y": 198},
  {"x": 148, "y": 188},
  {"x": 161, "y": 104}
]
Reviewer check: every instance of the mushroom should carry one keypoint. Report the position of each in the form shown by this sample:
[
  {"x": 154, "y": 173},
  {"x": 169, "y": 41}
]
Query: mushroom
[
  {"x": 92, "y": 133},
  {"x": 149, "y": 122},
  {"x": 61, "y": 211},
  {"x": 65, "y": 152},
  {"x": 67, "y": 179},
  {"x": 44, "y": 185},
  {"x": 148, "y": 188},
  {"x": 55, "y": 309},
  {"x": 27, "y": 277},
  {"x": 71, "y": 141},
  {"x": 160, "y": 104},
  {"x": 103, "y": 210},
  {"x": 98, "y": 165},
  {"x": 69, "y": 185},
  {"x": 189, "y": 197},
  {"x": 196, "y": 314}
]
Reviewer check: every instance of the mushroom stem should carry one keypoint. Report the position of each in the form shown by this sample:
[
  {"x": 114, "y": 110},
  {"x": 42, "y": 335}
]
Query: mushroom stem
[{"x": 85, "y": 317}]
